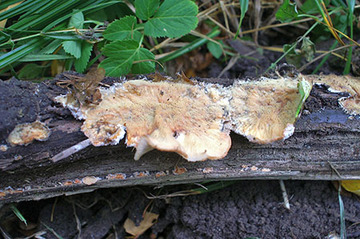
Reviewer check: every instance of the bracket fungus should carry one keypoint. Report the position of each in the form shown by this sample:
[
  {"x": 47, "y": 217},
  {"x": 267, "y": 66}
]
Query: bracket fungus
[
  {"x": 163, "y": 115},
  {"x": 265, "y": 111},
  {"x": 191, "y": 118},
  {"x": 24, "y": 134}
]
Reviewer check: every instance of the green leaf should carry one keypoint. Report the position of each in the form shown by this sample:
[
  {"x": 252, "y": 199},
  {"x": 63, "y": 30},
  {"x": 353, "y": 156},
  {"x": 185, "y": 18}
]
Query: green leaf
[
  {"x": 81, "y": 63},
  {"x": 287, "y": 12},
  {"x": 308, "y": 49},
  {"x": 214, "y": 49},
  {"x": 122, "y": 54},
  {"x": 146, "y": 8},
  {"x": 173, "y": 19},
  {"x": 292, "y": 57},
  {"x": 73, "y": 48},
  {"x": 31, "y": 71},
  {"x": 304, "y": 90},
  {"x": 111, "y": 13},
  {"x": 244, "y": 4},
  {"x": 141, "y": 64},
  {"x": 191, "y": 46},
  {"x": 77, "y": 20},
  {"x": 51, "y": 47},
  {"x": 310, "y": 7},
  {"x": 122, "y": 29}
]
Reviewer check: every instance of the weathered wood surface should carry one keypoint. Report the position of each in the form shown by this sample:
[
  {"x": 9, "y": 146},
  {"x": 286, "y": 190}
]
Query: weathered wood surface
[{"x": 325, "y": 146}]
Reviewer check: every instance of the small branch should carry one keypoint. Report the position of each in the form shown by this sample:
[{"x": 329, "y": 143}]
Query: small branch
[
  {"x": 70, "y": 151},
  {"x": 284, "y": 194}
]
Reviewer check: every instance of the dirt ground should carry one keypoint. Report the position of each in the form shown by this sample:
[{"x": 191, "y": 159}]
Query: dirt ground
[{"x": 245, "y": 209}]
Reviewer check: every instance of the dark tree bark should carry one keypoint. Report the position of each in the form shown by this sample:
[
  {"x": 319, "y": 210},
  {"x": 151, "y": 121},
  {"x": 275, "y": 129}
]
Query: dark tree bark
[{"x": 325, "y": 146}]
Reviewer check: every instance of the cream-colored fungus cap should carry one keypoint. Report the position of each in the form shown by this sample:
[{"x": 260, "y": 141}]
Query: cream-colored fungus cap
[
  {"x": 164, "y": 115},
  {"x": 24, "y": 134},
  {"x": 265, "y": 111}
]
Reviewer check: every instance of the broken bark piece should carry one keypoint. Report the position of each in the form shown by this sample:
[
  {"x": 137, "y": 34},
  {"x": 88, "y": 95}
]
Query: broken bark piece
[
  {"x": 350, "y": 105},
  {"x": 337, "y": 84},
  {"x": 24, "y": 134},
  {"x": 265, "y": 111}
]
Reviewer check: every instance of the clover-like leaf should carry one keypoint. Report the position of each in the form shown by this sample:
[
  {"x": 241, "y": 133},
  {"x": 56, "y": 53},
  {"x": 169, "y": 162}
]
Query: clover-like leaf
[
  {"x": 81, "y": 63},
  {"x": 308, "y": 48},
  {"x": 304, "y": 90},
  {"x": 122, "y": 29},
  {"x": 146, "y": 8},
  {"x": 73, "y": 48},
  {"x": 121, "y": 56},
  {"x": 143, "y": 62},
  {"x": 215, "y": 49},
  {"x": 173, "y": 19},
  {"x": 287, "y": 12},
  {"x": 77, "y": 20}
]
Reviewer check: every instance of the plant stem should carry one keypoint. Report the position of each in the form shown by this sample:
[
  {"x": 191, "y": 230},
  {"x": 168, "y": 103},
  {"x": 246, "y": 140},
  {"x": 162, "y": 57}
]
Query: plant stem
[
  {"x": 193, "y": 45},
  {"x": 273, "y": 65}
]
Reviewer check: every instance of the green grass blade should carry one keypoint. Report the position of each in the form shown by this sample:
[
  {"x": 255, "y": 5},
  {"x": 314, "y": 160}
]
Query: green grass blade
[
  {"x": 351, "y": 6},
  {"x": 48, "y": 14},
  {"x": 40, "y": 8},
  {"x": 31, "y": 58},
  {"x": 81, "y": 8},
  {"x": 342, "y": 215},
  {"x": 213, "y": 187},
  {"x": 19, "y": 9},
  {"x": 7, "y": 3},
  {"x": 20, "y": 52},
  {"x": 273, "y": 65},
  {"x": 18, "y": 213},
  {"x": 244, "y": 4},
  {"x": 193, "y": 45}
]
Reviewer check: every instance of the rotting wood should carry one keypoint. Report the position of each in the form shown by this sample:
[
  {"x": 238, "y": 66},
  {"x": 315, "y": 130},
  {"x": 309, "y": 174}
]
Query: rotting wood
[{"x": 325, "y": 139}]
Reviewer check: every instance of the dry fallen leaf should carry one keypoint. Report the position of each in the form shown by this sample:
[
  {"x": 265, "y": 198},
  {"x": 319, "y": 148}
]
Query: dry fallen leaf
[
  {"x": 148, "y": 221},
  {"x": 351, "y": 186}
]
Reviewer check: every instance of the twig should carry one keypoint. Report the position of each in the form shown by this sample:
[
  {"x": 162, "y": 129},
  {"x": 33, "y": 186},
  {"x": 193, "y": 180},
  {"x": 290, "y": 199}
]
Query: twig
[
  {"x": 335, "y": 170},
  {"x": 321, "y": 56},
  {"x": 284, "y": 194},
  {"x": 78, "y": 223},
  {"x": 70, "y": 151}
]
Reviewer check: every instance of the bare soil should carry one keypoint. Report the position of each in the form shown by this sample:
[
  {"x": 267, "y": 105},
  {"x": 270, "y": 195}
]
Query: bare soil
[{"x": 245, "y": 209}]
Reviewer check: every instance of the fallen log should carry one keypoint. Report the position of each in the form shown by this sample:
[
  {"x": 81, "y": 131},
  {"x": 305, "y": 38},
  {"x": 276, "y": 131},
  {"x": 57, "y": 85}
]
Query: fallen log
[{"x": 324, "y": 146}]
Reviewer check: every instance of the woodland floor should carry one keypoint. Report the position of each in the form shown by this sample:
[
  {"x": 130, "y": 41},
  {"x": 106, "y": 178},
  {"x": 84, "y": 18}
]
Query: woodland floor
[{"x": 244, "y": 209}]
